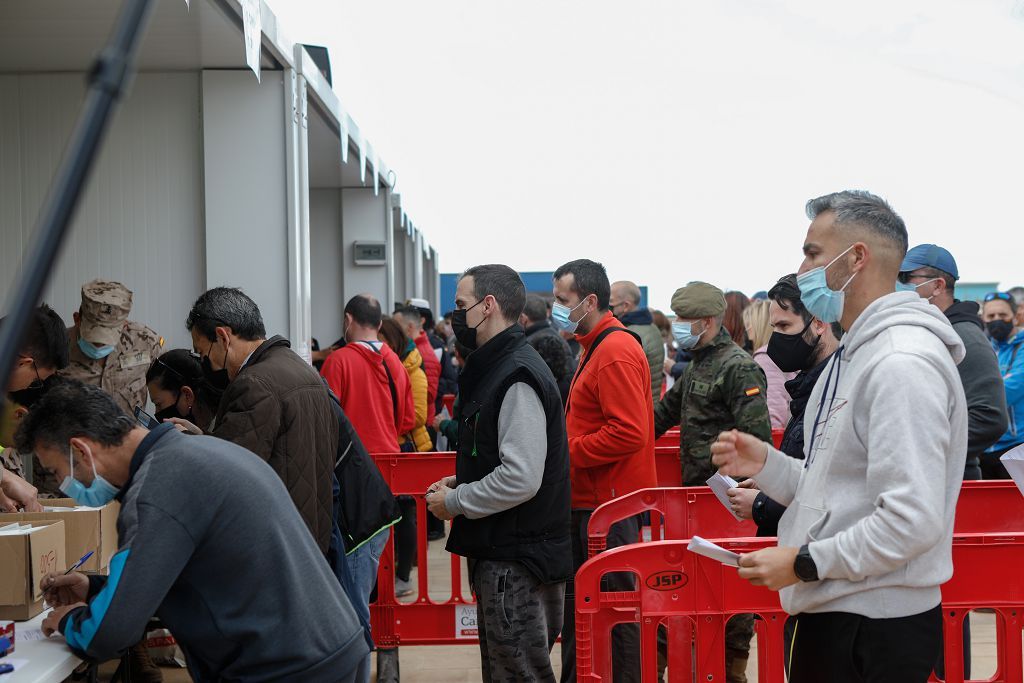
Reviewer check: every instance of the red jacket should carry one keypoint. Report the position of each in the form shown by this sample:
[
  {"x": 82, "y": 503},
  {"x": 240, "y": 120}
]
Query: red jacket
[
  {"x": 432, "y": 368},
  {"x": 356, "y": 374},
  {"x": 610, "y": 420}
]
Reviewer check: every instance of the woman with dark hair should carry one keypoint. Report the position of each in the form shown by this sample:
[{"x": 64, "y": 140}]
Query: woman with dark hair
[
  {"x": 732, "y": 321},
  {"x": 177, "y": 389}
]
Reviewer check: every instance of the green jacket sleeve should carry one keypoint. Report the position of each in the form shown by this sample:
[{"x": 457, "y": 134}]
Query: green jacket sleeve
[
  {"x": 667, "y": 410},
  {"x": 745, "y": 389}
]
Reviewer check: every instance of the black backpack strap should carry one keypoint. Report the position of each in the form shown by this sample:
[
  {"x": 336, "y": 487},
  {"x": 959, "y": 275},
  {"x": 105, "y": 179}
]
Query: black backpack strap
[{"x": 590, "y": 352}]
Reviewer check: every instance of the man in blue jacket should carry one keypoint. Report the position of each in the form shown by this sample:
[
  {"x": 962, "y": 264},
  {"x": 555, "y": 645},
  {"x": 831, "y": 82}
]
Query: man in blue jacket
[
  {"x": 210, "y": 542},
  {"x": 999, "y": 315}
]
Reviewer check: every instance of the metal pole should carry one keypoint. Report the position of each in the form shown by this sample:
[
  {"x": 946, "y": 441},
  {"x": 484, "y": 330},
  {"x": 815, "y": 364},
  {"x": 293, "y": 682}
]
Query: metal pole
[{"x": 107, "y": 81}]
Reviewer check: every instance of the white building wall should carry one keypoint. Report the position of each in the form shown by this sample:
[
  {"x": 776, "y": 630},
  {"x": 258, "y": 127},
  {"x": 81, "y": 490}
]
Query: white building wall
[
  {"x": 140, "y": 221},
  {"x": 326, "y": 253},
  {"x": 363, "y": 219}
]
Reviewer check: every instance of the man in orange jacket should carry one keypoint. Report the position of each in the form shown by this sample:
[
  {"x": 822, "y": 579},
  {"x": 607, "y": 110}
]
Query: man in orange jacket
[{"x": 609, "y": 418}]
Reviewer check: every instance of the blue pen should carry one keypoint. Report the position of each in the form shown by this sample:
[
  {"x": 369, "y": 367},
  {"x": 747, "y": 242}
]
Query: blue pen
[{"x": 76, "y": 565}]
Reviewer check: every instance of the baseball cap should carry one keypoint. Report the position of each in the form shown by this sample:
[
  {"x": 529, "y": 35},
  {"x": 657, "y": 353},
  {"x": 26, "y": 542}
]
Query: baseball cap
[
  {"x": 105, "y": 308},
  {"x": 930, "y": 256}
]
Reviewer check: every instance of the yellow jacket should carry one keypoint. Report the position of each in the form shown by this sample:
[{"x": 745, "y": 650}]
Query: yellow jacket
[{"x": 413, "y": 363}]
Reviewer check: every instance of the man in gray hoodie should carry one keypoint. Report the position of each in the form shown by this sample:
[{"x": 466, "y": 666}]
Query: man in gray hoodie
[{"x": 866, "y": 540}]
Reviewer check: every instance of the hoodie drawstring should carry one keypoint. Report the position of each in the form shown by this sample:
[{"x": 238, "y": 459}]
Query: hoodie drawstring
[{"x": 821, "y": 402}]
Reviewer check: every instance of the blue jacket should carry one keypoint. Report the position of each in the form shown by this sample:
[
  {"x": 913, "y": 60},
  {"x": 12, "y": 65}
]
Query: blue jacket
[{"x": 1011, "y": 367}]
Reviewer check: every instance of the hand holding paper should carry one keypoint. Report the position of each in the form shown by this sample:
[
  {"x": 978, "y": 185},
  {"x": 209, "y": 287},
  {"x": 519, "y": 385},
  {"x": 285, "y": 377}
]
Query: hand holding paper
[
  {"x": 721, "y": 484},
  {"x": 713, "y": 550}
]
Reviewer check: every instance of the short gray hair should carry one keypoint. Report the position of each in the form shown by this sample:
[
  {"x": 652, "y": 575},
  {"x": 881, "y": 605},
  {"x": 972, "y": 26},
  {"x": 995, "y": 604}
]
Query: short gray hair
[{"x": 863, "y": 209}]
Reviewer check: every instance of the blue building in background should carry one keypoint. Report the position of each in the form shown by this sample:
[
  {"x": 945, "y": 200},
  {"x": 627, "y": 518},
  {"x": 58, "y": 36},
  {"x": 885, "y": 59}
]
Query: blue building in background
[{"x": 537, "y": 282}]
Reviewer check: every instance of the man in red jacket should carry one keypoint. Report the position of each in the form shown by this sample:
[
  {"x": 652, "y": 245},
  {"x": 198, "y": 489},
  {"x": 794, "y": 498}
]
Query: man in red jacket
[
  {"x": 609, "y": 418},
  {"x": 370, "y": 380},
  {"x": 411, "y": 320}
]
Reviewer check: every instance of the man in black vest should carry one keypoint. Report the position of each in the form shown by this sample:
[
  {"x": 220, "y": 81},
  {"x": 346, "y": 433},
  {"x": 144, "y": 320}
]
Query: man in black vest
[{"x": 509, "y": 498}]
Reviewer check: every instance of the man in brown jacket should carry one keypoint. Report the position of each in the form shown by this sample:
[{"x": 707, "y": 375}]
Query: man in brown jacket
[{"x": 274, "y": 403}]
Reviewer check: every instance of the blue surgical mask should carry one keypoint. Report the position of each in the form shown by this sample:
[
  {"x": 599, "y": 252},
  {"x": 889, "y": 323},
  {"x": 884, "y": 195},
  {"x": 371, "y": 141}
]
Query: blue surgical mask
[
  {"x": 822, "y": 302},
  {"x": 94, "y": 352},
  {"x": 97, "y": 494},
  {"x": 560, "y": 316},
  {"x": 684, "y": 336}
]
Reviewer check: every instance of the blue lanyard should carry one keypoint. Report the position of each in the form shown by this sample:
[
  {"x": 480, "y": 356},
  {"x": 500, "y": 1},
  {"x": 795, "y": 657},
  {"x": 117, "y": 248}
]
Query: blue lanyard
[{"x": 821, "y": 402}]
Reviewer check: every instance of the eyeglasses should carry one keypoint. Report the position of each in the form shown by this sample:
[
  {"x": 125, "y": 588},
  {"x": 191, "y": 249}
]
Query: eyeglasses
[{"x": 1003, "y": 296}]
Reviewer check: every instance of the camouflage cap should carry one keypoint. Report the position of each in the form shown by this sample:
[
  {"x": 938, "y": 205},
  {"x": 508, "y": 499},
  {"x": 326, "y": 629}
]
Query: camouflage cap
[
  {"x": 698, "y": 300},
  {"x": 105, "y": 308}
]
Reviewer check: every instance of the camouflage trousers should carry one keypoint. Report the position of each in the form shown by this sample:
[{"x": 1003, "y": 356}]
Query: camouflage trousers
[{"x": 518, "y": 620}]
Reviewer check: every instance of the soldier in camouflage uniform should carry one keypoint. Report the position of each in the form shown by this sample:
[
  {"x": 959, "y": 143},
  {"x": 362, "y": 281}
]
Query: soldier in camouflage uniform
[
  {"x": 722, "y": 388},
  {"x": 108, "y": 350}
]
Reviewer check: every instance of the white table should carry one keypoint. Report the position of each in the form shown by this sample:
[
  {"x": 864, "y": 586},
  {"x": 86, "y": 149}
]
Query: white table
[{"x": 49, "y": 661}]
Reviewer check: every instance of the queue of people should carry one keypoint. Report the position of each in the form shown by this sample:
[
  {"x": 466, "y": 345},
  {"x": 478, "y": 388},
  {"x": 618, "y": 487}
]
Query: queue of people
[{"x": 257, "y": 478}]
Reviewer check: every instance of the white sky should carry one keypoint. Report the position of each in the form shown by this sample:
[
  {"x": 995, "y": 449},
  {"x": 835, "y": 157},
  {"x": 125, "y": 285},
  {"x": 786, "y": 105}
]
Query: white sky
[{"x": 676, "y": 141}]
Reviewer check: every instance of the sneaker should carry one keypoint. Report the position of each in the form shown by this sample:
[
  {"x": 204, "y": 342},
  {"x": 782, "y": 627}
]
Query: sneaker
[{"x": 403, "y": 588}]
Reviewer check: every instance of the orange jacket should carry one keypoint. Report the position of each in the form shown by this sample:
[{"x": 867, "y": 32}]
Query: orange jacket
[{"x": 610, "y": 419}]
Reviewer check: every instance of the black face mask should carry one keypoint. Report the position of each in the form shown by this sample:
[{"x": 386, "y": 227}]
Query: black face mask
[
  {"x": 999, "y": 329},
  {"x": 791, "y": 352},
  {"x": 172, "y": 411},
  {"x": 465, "y": 334},
  {"x": 27, "y": 398},
  {"x": 217, "y": 379}
]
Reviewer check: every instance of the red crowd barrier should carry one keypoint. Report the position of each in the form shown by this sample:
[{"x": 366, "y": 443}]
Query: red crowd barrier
[
  {"x": 666, "y": 457},
  {"x": 985, "y": 545},
  {"x": 693, "y": 595},
  {"x": 423, "y": 621}
]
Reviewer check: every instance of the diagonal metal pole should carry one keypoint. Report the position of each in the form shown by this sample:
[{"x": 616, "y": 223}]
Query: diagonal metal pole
[{"x": 107, "y": 81}]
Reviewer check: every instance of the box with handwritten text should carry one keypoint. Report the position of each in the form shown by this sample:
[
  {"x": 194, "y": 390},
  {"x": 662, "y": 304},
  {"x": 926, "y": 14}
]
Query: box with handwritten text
[
  {"x": 30, "y": 551},
  {"x": 86, "y": 529}
]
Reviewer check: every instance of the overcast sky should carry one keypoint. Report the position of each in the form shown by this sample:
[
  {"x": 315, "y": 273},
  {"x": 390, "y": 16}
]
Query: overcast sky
[{"x": 676, "y": 141}]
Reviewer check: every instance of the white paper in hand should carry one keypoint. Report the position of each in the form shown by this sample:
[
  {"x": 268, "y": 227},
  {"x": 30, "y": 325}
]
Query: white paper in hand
[
  {"x": 714, "y": 551},
  {"x": 1013, "y": 461},
  {"x": 720, "y": 484}
]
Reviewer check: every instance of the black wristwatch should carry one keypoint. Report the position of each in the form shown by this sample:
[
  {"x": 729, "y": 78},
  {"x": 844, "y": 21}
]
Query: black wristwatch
[{"x": 803, "y": 565}]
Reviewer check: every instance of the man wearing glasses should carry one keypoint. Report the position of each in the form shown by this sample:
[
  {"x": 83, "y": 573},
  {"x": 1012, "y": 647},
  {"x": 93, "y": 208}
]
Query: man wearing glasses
[{"x": 999, "y": 314}]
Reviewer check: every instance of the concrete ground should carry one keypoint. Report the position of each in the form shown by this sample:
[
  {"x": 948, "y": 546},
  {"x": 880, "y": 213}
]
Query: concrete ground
[{"x": 461, "y": 663}]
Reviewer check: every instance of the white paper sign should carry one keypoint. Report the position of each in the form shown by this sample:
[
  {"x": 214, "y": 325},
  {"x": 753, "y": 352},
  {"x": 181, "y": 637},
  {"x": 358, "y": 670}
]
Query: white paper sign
[
  {"x": 714, "y": 551},
  {"x": 721, "y": 484},
  {"x": 1013, "y": 461},
  {"x": 465, "y": 621},
  {"x": 252, "y": 25}
]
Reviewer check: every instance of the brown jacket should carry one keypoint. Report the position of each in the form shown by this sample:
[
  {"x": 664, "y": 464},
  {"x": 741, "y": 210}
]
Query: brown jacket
[{"x": 279, "y": 409}]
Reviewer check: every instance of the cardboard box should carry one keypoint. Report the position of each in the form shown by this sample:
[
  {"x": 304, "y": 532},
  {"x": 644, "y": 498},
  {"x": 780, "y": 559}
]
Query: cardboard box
[
  {"x": 28, "y": 557},
  {"x": 85, "y": 529}
]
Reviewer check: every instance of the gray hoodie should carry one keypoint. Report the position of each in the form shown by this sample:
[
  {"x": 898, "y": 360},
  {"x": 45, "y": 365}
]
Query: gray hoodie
[{"x": 875, "y": 503}]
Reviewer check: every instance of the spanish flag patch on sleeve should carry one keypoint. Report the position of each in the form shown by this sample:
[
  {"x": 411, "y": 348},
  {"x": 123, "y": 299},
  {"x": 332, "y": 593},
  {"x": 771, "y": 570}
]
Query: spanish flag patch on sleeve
[{"x": 753, "y": 391}]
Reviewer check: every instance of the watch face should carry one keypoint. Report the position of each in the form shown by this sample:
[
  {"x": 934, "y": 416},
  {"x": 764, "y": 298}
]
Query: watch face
[{"x": 804, "y": 567}]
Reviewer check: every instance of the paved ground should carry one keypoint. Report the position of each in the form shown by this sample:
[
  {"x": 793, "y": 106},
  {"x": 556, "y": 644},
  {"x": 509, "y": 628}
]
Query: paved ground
[{"x": 461, "y": 663}]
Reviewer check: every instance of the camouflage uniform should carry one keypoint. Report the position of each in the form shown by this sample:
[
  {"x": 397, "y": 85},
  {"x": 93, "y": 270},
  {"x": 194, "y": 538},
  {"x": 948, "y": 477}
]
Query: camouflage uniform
[
  {"x": 722, "y": 388},
  {"x": 104, "y": 320}
]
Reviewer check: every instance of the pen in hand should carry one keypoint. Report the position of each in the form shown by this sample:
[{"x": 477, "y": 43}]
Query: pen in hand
[{"x": 76, "y": 565}]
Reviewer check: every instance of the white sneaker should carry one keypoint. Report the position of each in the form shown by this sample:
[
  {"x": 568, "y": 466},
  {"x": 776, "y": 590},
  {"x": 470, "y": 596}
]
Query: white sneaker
[{"x": 403, "y": 588}]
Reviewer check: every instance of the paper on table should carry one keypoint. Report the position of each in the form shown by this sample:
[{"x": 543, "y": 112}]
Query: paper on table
[
  {"x": 720, "y": 484},
  {"x": 1013, "y": 461},
  {"x": 29, "y": 634},
  {"x": 714, "y": 551}
]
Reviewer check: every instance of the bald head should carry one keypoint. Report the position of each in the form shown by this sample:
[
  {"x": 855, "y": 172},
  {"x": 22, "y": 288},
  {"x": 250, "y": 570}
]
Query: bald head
[{"x": 625, "y": 297}]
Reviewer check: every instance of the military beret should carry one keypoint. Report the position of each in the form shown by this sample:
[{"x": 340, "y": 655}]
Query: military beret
[{"x": 698, "y": 300}]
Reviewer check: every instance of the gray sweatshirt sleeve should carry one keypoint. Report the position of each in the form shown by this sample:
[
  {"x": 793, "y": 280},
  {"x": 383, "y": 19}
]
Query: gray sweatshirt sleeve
[
  {"x": 522, "y": 449},
  {"x": 780, "y": 476}
]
